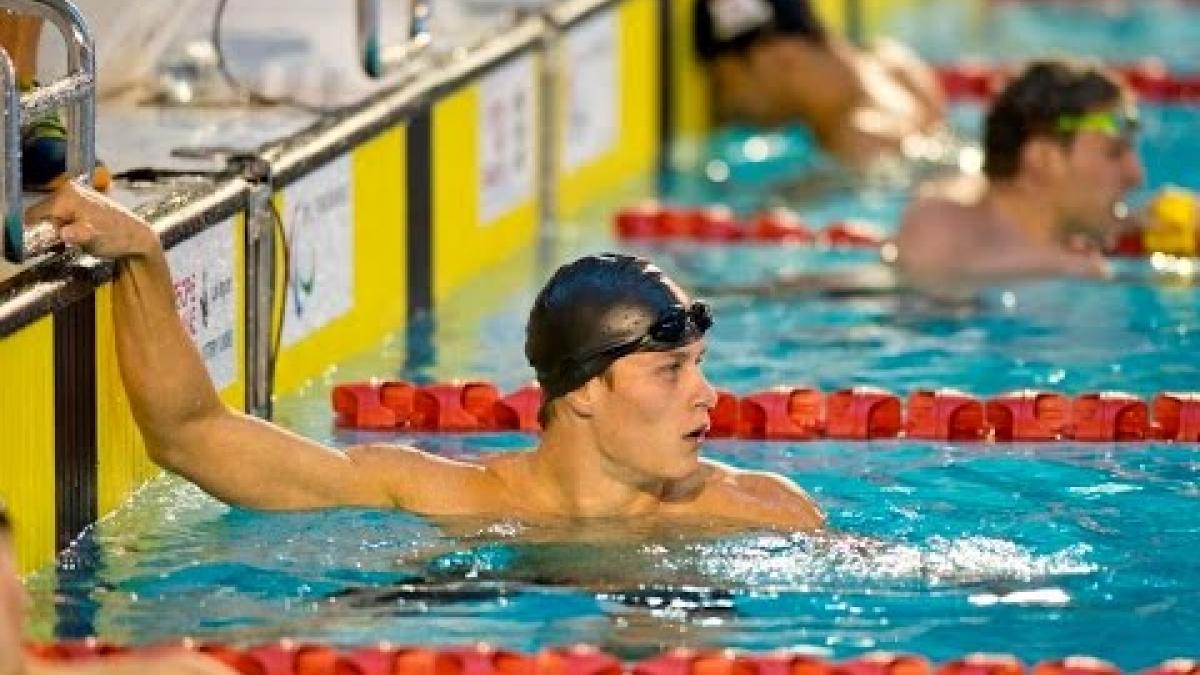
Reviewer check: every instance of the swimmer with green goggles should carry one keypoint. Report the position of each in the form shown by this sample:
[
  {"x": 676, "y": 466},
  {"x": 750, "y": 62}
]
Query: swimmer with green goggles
[{"x": 1121, "y": 123}]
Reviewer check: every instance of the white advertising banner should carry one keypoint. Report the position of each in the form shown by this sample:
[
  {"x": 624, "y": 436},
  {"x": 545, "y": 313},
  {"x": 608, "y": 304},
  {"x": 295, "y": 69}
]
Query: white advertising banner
[
  {"x": 506, "y": 138},
  {"x": 593, "y": 95},
  {"x": 203, "y": 276},
  {"x": 319, "y": 221}
]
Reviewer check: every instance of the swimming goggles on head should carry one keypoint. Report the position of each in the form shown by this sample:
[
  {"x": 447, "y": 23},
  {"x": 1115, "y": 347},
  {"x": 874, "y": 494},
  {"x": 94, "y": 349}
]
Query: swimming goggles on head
[
  {"x": 1119, "y": 124},
  {"x": 674, "y": 326}
]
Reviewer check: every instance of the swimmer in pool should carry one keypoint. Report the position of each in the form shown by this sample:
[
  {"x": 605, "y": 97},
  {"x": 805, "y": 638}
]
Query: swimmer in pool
[
  {"x": 617, "y": 347},
  {"x": 773, "y": 62},
  {"x": 15, "y": 661},
  {"x": 1059, "y": 160}
]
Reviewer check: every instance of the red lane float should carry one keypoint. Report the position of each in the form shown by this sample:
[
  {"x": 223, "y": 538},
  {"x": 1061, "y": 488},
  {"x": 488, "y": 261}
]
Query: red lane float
[
  {"x": 654, "y": 222},
  {"x": 851, "y": 234},
  {"x": 861, "y": 413},
  {"x": 1175, "y": 667},
  {"x": 802, "y": 413},
  {"x": 288, "y": 657},
  {"x": 1149, "y": 78},
  {"x": 454, "y": 406},
  {"x": 781, "y": 413},
  {"x": 359, "y": 406},
  {"x": 1175, "y": 229},
  {"x": 1109, "y": 416},
  {"x": 1076, "y": 665},
  {"x": 577, "y": 660},
  {"x": 1029, "y": 415},
  {"x": 780, "y": 225},
  {"x": 443, "y": 407},
  {"x": 983, "y": 664},
  {"x": 1177, "y": 415},
  {"x": 519, "y": 410},
  {"x": 945, "y": 415},
  {"x": 725, "y": 417}
]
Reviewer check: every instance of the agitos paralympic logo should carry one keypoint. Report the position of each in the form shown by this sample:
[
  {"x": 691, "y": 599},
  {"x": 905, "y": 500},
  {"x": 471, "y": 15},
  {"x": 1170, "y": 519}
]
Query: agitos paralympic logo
[{"x": 302, "y": 256}]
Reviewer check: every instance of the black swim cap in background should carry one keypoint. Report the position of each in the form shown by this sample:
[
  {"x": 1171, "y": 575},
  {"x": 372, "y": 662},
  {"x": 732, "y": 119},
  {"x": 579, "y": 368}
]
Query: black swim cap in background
[{"x": 599, "y": 308}]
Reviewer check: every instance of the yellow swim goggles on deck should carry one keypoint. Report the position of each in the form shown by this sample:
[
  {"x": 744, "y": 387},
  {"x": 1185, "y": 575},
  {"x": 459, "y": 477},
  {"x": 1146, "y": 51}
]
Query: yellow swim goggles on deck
[{"x": 1118, "y": 124}]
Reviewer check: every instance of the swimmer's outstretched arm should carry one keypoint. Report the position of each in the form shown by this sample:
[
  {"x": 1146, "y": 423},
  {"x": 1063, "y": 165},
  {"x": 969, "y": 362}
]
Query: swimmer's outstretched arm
[{"x": 188, "y": 430}]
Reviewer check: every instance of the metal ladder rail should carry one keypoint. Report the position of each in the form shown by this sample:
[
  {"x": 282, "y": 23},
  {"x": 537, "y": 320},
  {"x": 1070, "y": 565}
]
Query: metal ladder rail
[
  {"x": 76, "y": 92},
  {"x": 379, "y": 60}
]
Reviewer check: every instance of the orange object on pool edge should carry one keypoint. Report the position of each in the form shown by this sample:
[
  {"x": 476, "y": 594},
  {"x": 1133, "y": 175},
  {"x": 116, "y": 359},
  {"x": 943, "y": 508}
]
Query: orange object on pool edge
[{"x": 781, "y": 413}]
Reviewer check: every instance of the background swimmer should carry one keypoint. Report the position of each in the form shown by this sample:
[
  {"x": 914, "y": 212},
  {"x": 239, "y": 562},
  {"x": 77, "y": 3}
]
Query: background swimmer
[
  {"x": 1059, "y": 159},
  {"x": 773, "y": 62}
]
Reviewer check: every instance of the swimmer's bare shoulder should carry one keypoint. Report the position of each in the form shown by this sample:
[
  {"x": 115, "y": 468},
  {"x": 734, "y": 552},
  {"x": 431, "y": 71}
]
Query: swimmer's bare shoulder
[
  {"x": 933, "y": 228},
  {"x": 758, "y": 497}
]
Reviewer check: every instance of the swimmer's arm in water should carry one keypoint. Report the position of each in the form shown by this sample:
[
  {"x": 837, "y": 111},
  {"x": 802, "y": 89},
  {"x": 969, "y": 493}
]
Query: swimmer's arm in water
[{"x": 239, "y": 459}]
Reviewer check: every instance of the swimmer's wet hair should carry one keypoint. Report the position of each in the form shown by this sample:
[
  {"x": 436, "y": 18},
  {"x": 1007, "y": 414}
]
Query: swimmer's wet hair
[
  {"x": 5, "y": 524},
  {"x": 1031, "y": 104}
]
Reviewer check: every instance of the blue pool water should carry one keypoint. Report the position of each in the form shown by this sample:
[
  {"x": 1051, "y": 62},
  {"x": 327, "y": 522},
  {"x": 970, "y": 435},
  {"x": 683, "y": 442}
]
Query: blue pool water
[
  {"x": 1038, "y": 550},
  {"x": 1114, "y": 30}
]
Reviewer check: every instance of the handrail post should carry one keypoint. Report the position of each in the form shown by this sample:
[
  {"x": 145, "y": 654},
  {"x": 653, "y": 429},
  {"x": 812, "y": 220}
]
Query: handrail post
[{"x": 76, "y": 92}]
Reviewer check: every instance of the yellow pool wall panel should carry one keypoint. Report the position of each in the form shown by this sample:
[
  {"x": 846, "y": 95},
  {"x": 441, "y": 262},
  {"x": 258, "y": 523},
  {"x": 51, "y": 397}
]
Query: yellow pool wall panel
[
  {"x": 692, "y": 114},
  {"x": 27, "y": 484},
  {"x": 636, "y": 99},
  {"x": 378, "y": 303},
  {"x": 465, "y": 241}
]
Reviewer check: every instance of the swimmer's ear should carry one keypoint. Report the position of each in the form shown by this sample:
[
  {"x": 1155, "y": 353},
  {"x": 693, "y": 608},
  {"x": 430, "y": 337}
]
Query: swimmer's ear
[
  {"x": 1043, "y": 156},
  {"x": 582, "y": 401}
]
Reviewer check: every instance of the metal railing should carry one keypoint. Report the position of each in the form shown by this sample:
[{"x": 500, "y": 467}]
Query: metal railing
[
  {"x": 76, "y": 92},
  {"x": 379, "y": 60}
]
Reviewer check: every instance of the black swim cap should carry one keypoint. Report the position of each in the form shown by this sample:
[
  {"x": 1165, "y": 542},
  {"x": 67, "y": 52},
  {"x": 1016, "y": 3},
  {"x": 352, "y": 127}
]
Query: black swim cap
[{"x": 599, "y": 308}]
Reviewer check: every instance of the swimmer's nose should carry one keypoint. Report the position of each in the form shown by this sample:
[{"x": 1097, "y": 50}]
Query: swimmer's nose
[
  {"x": 1135, "y": 171},
  {"x": 708, "y": 394}
]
